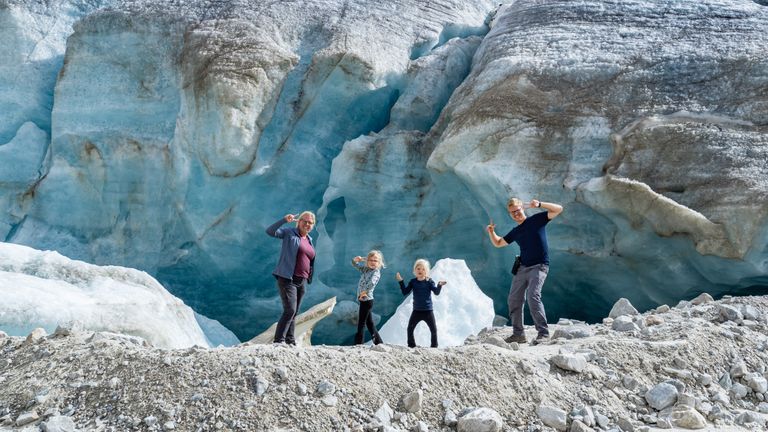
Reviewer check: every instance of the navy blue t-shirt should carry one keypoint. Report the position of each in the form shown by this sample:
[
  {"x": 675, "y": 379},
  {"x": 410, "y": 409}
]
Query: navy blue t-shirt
[{"x": 531, "y": 236}]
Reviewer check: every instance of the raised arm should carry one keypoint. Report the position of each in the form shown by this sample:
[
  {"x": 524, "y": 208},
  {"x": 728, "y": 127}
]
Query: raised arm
[
  {"x": 274, "y": 229},
  {"x": 495, "y": 239},
  {"x": 553, "y": 210}
]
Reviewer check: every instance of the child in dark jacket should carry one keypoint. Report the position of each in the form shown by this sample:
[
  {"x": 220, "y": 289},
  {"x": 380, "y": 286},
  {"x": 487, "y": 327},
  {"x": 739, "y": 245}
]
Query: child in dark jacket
[
  {"x": 422, "y": 287},
  {"x": 370, "y": 269}
]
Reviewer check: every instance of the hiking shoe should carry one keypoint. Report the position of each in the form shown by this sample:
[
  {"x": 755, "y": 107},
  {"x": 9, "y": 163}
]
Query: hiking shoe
[
  {"x": 540, "y": 339},
  {"x": 516, "y": 338}
]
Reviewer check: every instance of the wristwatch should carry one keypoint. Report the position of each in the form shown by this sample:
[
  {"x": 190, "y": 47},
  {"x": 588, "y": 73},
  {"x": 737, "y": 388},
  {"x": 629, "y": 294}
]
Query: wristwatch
[{"x": 539, "y": 206}]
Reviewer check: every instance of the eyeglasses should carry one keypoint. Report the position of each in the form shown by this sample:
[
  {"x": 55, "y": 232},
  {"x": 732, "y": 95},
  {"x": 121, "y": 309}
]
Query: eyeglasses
[
  {"x": 308, "y": 222},
  {"x": 514, "y": 212}
]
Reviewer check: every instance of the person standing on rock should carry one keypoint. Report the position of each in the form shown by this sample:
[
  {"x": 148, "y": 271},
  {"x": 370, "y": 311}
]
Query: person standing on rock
[
  {"x": 531, "y": 235},
  {"x": 370, "y": 273},
  {"x": 294, "y": 268},
  {"x": 422, "y": 287}
]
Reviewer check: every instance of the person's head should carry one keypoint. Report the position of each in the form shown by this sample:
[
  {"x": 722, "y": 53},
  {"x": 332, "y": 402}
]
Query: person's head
[
  {"x": 375, "y": 260},
  {"x": 305, "y": 222},
  {"x": 516, "y": 210},
  {"x": 421, "y": 269}
]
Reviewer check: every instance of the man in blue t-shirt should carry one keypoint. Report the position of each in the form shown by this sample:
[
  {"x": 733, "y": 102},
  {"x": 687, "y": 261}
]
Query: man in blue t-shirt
[{"x": 531, "y": 235}]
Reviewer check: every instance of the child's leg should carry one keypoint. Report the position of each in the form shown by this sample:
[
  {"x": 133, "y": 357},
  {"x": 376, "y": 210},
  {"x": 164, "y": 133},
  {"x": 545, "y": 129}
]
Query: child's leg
[
  {"x": 371, "y": 326},
  {"x": 415, "y": 319},
  {"x": 362, "y": 316},
  {"x": 430, "y": 319}
]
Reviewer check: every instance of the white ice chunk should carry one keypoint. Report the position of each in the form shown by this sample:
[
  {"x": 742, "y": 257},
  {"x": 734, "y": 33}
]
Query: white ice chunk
[{"x": 461, "y": 309}]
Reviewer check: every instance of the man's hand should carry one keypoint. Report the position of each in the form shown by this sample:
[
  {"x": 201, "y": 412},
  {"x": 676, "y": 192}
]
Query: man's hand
[
  {"x": 357, "y": 259},
  {"x": 441, "y": 283},
  {"x": 398, "y": 277},
  {"x": 491, "y": 227},
  {"x": 289, "y": 218}
]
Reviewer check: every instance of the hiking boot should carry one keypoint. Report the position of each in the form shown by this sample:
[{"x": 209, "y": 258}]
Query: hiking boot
[
  {"x": 377, "y": 339},
  {"x": 516, "y": 338},
  {"x": 540, "y": 339}
]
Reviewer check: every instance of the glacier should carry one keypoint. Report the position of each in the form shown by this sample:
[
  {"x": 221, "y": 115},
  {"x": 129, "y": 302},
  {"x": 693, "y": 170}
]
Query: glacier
[
  {"x": 165, "y": 136},
  {"x": 45, "y": 289}
]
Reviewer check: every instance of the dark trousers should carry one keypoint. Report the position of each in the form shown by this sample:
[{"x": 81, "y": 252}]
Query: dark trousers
[
  {"x": 418, "y": 316},
  {"x": 365, "y": 319},
  {"x": 291, "y": 292}
]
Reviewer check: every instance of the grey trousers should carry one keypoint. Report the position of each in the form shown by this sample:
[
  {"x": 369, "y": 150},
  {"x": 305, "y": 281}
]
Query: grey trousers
[
  {"x": 291, "y": 292},
  {"x": 528, "y": 283}
]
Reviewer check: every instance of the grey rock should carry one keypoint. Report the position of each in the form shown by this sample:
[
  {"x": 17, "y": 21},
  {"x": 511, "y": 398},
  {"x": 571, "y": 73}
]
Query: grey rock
[
  {"x": 573, "y": 332},
  {"x": 420, "y": 427},
  {"x": 384, "y": 414},
  {"x": 622, "y": 307},
  {"x": 329, "y": 400},
  {"x": 739, "y": 391},
  {"x": 729, "y": 313},
  {"x": 27, "y": 418},
  {"x": 739, "y": 370},
  {"x": 747, "y": 417},
  {"x": 702, "y": 299},
  {"x": 687, "y": 417},
  {"x": 411, "y": 402},
  {"x": 763, "y": 407},
  {"x": 497, "y": 341},
  {"x": 325, "y": 388},
  {"x": 662, "y": 309},
  {"x": 624, "y": 323},
  {"x": 661, "y": 396},
  {"x": 150, "y": 421},
  {"x": 35, "y": 336},
  {"x": 570, "y": 362},
  {"x": 625, "y": 424},
  {"x": 757, "y": 383},
  {"x": 552, "y": 417},
  {"x": 480, "y": 420},
  {"x": 578, "y": 426},
  {"x": 301, "y": 389},
  {"x": 58, "y": 423},
  {"x": 69, "y": 328}
]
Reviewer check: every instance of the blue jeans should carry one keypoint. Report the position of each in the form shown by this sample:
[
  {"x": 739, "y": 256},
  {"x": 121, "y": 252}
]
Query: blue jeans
[
  {"x": 291, "y": 292},
  {"x": 528, "y": 283}
]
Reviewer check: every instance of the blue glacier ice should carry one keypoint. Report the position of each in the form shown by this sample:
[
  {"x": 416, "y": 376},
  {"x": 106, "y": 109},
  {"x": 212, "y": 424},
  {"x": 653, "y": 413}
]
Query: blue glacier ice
[{"x": 165, "y": 136}]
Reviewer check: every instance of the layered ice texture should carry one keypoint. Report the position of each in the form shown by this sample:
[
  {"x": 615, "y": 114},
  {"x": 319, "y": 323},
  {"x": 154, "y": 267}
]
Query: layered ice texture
[{"x": 166, "y": 136}]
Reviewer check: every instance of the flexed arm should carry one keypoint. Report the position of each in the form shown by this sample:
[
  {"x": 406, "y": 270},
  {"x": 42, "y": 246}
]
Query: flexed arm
[
  {"x": 495, "y": 239},
  {"x": 274, "y": 229}
]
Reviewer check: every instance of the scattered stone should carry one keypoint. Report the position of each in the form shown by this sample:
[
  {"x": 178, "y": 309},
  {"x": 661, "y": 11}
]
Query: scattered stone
[
  {"x": 67, "y": 329},
  {"x": 552, "y": 417},
  {"x": 58, "y": 423},
  {"x": 578, "y": 426},
  {"x": 497, "y": 341},
  {"x": 384, "y": 414},
  {"x": 687, "y": 418},
  {"x": 570, "y": 362},
  {"x": 572, "y": 332},
  {"x": 702, "y": 298},
  {"x": 747, "y": 417},
  {"x": 480, "y": 420},
  {"x": 411, "y": 402},
  {"x": 622, "y": 307},
  {"x": 662, "y": 309},
  {"x": 36, "y": 336},
  {"x": 624, "y": 323},
  {"x": 652, "y": 320},
  {"x": 27, "y": 418},
  {"x": 757, "y": 383},
  {"x": 729, "y": 313},
  {"x": 150, "y": 421},
  {"x": 661, "y": 396},
  {"x": 325, "y": 388}
]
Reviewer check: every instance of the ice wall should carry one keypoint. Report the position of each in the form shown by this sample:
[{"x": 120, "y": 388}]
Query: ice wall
[{"x": 165, "y": 136}]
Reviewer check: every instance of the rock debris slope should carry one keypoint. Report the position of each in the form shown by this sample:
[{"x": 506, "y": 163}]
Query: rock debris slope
[{"x": 701, "y": 364}]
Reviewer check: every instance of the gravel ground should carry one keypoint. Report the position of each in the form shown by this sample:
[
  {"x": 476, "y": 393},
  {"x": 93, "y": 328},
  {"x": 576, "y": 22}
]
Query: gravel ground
[{"x": 706, "y": 361}]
